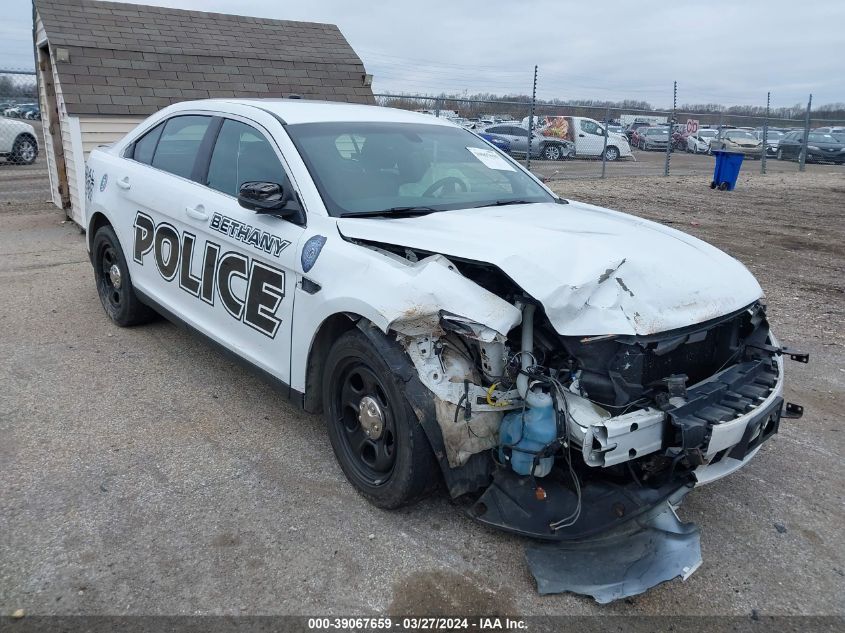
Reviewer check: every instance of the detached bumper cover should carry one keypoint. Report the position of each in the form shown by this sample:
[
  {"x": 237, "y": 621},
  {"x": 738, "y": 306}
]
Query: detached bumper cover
[{"x": 631, "y": 559}]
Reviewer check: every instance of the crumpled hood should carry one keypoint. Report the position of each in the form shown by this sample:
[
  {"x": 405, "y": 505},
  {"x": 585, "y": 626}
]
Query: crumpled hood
[{"x": 595, "y": 271}]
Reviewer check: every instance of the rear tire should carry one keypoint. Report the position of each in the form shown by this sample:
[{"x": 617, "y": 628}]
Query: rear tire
[
  {"x": 551, "y": 152},
  {"x": 389, "y": 462},
  {"x": 114, "y": 284},
  {"x": 25, "y": 150}
]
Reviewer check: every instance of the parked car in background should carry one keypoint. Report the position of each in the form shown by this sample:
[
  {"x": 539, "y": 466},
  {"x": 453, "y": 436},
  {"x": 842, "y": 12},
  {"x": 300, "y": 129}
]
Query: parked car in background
[
  {"x": 738, "y": 141},
  {"x": 632, "y": 131},
  {"x": 18, "y": 143},
  {"x": 16, "y": 111},
  {"x": 499, "y": 142},
  {"x": 821, "y": 148},
  {"x": 30, "y": 112},
  {"x": 836, "y": 130},
  {"x": 773, "y": 137},
  {"x": 653, "y": 138},
  {"x": 541, "y": 146},
  {"x": 699, "y": 143}
]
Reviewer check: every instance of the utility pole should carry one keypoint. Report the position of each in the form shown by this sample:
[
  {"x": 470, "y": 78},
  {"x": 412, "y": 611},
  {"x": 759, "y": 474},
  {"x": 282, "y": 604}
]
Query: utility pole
[
  {"x": 671, "y": 127},
  {"x": 803, "y": 157},
  {"x": 604, "y": 149},
  {"x": 765, "y": 133},
  {"x": 531, "y": 121}
]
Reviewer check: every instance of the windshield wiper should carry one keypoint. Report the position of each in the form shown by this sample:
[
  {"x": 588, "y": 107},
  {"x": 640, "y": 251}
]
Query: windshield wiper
[
  {"x": 391, "y": 212},
  {"x": 503, "y": 203}
]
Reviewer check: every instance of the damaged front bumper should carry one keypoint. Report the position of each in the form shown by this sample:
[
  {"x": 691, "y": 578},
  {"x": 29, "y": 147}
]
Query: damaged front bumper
[
  {"x": 618, "y": 466},
  {"x": 729, "y": 416}
]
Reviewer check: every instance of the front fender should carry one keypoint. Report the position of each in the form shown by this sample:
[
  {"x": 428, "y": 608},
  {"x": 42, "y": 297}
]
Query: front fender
[{"x": 394, "y": 294}]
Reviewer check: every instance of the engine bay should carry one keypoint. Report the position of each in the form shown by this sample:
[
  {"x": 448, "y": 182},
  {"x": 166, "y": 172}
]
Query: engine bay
[{"x": 587, "y": 415}]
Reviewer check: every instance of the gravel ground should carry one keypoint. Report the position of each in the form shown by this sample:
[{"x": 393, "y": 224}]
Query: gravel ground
[{"x": 144, "y": 473}]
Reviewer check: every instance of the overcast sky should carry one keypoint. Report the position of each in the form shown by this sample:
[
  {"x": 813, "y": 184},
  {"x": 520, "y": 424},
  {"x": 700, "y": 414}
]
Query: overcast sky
[{"x": 719, "y": 51}]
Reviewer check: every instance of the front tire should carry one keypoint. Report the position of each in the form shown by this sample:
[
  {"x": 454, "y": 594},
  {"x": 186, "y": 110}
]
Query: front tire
[
  {"x": 114, "y": 285},
  {"x": 375, "y": 434},
  {"x": 611, "y": 153}
]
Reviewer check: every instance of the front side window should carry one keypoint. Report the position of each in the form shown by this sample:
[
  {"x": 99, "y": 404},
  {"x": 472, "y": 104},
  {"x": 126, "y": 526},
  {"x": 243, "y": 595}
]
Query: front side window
[
  {"x": 179, "y": 144},
  {"x": 401, "y": 165},
  {"x": 242, "y": 154},
  {"x": 589, "y": 127}
]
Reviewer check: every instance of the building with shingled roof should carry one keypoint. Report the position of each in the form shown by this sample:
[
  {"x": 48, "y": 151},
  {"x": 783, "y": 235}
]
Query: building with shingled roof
[{"x": 103, "y": 67}]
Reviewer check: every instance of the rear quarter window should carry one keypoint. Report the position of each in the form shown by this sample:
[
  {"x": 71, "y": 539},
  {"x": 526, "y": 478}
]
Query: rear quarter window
[{"x": 145, "y": 146}]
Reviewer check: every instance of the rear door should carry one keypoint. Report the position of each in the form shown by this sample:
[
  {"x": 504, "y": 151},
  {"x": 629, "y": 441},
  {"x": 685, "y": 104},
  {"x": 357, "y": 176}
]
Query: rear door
[
  {"x": 506, "y": 132},
  {"x": 519, "y": 139},
  {"x": 154, "y": 185}
]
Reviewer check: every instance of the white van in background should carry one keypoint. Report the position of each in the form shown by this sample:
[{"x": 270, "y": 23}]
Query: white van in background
[{"x": 588, "y": 136}]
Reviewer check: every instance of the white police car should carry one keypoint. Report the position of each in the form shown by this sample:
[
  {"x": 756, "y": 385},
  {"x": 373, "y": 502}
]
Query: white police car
[{"x": 560, "y": 367}]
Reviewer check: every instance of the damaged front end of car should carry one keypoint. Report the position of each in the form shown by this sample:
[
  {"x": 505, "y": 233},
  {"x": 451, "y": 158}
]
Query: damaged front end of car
[{"x": 588, "y": 444}]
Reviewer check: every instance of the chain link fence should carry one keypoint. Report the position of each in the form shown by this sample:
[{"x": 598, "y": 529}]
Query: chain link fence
[
  {"x": 20, "y": 117},
  {"x": 599, "y": 141}
]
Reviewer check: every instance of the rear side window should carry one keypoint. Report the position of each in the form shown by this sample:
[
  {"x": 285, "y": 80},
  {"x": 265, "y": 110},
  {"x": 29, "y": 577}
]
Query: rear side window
[
  {"x": 146, "y": 145},
  {"x": 179, "y": 144},
  {"x": 242, "y": 154}
]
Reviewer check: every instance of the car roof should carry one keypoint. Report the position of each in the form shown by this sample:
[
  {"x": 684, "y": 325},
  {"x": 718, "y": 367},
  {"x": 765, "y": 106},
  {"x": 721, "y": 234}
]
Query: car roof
[{"x": 293, "y": 111}]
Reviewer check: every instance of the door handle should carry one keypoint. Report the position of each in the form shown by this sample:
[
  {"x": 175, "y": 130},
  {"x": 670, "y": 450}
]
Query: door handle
[
  {"x": 581, "y": 135},
  {"x": 197, "y": 212},
  {"x": 123, "y": 183}
]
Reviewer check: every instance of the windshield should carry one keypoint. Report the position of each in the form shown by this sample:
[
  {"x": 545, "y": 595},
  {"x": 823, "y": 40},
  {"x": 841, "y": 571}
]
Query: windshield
[
  {"x": 822, "y": 138},
  {"x": 362, "y": 167},
  {"x": 708, "y": 133},
  {"x": 739, "y": 134},
  {"x": 657, "y": 132},
  {"x": 772, "y": 134}
]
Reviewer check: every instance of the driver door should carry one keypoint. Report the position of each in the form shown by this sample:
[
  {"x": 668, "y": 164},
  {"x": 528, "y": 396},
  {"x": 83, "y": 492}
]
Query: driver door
[{"x": 248, "y": 297}]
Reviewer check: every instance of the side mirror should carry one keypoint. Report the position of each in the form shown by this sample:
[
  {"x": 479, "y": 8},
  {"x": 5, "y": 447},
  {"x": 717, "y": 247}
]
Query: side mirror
[
  {"x": 272, "y": 198},
  {"x": 262, "y": 197}
]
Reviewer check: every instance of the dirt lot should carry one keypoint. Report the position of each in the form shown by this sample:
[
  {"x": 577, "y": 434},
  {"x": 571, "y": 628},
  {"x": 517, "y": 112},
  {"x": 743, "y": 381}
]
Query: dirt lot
[{"x": 142, "y": 472}]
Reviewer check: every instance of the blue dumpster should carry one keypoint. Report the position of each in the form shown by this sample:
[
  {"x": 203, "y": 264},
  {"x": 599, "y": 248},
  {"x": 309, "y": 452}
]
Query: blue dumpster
[{"x": 726, "y": 171}]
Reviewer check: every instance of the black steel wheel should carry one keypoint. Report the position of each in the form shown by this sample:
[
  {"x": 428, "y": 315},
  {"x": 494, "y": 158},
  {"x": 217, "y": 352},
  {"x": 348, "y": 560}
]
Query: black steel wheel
[
  {"x": 374, "y": 432},
  {"x": 114, "y": 285}
]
